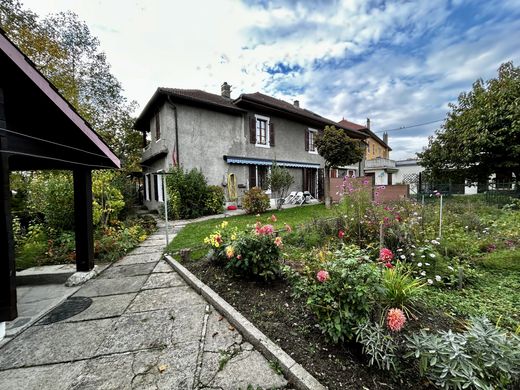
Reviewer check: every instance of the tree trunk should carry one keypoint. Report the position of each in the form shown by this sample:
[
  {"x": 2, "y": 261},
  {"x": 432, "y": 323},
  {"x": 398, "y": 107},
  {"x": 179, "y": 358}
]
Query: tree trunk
[{"x": 326, "y": 186}]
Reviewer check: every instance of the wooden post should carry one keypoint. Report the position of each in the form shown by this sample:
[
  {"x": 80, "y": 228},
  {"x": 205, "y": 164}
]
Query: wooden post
[
  {"x": 8, "y": 309},
  {"x": 83, "y": 219}
]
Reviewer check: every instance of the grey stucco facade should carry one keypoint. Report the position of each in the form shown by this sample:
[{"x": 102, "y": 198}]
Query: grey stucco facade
[{"x": 218, "y": 141}]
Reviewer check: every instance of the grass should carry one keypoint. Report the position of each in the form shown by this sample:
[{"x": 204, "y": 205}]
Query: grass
[
  {"x": 192, "y": 235},
  {"x": 502, "y": 260}
]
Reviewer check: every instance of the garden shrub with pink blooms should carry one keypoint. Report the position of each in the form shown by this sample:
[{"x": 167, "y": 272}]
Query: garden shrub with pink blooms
[
  {"x": 341, "y": 294},
  {"x": 254, "y": 253}
]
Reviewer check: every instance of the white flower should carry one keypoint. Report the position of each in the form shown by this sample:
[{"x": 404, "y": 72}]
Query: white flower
[
  {"x": 419, "y": 264},
  {"x": 423, "y": 273},
  {"x": 403, "y": 257},
  {"x": 423, "y": 256},
  {"x": 413, "y": 254},
  {"x": 435, "y": 242},
  {"x": 427, "y": 264},
  {"x": 450, "y": 267},
  {"x": 438, "y": 278},
  {"x": 465, "y": 227},
  {"x": 432, "y": 255},
  {"x": 413, "y": 246},
  {"x": 399, "y": 250},
  {"x": 430, "y": 281}
]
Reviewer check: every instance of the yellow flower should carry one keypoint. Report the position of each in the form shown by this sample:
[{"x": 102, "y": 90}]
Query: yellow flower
[
  {"x": 233, "y": 237},
  {"x": 224, "y": 224},
  {"x": 230, "y": 251}
]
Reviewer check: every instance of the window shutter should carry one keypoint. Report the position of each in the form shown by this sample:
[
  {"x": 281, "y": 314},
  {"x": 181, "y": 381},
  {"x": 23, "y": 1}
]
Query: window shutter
[
  {"x": 155, "y": 188},
  {"x": 271, "y": 133},
  {"x": 252, "y": 130},
  {"x": 252, "y": 176},
  {"x": 307, "y": 140},
  {"x": 157, "y": 127}
]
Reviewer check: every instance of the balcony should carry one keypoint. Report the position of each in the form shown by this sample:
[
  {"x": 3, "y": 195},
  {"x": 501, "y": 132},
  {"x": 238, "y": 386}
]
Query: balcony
[
  {"x": 379, "y": 163},
  {"x": 154, "y": 152}
]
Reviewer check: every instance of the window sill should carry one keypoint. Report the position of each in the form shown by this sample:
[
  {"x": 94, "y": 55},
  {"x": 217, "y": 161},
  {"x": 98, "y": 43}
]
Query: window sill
[
  {"x": 263, "y": 146},
  {"x": 313, "y": 151}
]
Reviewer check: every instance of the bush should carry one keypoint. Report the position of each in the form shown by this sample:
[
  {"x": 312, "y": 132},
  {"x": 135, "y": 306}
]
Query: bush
[
  {"x": 214, "y": 203},
  {"x": 379, "y": 345},
  {"x": 483, "y": 357},
  {"x": 255, "y": 201},
  {"x": 253, "y": 254},
  {"x": 192, "y": 189},
  {"x": 279, "y": 180},
  {"x": 341, "y": 295}
]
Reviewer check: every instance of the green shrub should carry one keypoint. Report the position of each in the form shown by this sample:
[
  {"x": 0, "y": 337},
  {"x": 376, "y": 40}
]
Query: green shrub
[
  {"x": 482, "y": 357},
  {"x": 341, "y": 295},
  {"x": 400, "y": 288},
  {"x": 503, "y": 260},
  {"x": 279, "y": 180},
  {"x": 255, "y": 201},
  {"x": 379, "y": 346},
  {"x": 108, "y": 201},
  {"x": 214, "y": 203},
  {"x": 31, "y": 248},
  {"x": 255, "y": 256},
  {"x": 192, "y": 188}
]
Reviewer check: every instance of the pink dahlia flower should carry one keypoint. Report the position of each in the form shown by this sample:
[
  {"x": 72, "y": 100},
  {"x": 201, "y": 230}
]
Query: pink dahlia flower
[
  {"x": 341, "y": 234},
  {"x": 385, "y": 255},
  {"x": 273, "y": 218},
  {"x": 389, "y": 265},
  {"x": 288, "y": 228},
  {"x": 395, "y": 320},
  {"x": 322, "y": 276},
  {"x": 278, "y": 241},
  {"x": 266, "y": 229}
]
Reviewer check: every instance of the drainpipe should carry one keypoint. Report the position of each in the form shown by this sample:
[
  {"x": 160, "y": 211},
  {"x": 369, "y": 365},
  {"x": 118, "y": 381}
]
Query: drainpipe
[{"x": 174, "y": 107}]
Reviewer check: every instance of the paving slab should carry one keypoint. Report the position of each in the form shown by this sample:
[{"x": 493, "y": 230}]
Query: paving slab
[
  {"x": 137, "y": 331},
  {"x": 188, "y": 324},
  {"x": 59, "y": 342},
  {"x": 163, "y": 266},
  {"x": 146, "y": 249},
  {"x": 48, "y": 377},
  {"x": 123, "y": 285},
  {"x": 104, "y": 307},
  {"x": 115, "y": 272},
  {"x": 151, "y": 257},
  {"x": 220, "y": 334},
  {"x": 164, "y": 280},
  {"x": 163, "y": 298}
]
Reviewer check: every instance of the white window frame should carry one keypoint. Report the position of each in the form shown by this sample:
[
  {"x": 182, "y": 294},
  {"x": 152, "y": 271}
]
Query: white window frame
[
  {"x": 267, "y": 131},
  {"x": 314, "y": 132},
  {"x": 147, "y": 194},
  {"x": 160, "y": 197}
]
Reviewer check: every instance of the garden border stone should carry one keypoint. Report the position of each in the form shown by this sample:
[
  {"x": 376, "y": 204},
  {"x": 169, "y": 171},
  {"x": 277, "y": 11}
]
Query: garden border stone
[{"x": 300, "y": 377}]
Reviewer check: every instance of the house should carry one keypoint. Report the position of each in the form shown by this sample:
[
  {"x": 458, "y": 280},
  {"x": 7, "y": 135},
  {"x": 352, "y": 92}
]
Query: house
[
  {"x": 40, "y": 130},
  {"x": 377, "y": 163},
  {"x": 230, "y": 138}
]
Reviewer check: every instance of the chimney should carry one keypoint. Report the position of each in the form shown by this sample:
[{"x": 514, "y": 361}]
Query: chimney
[
  {"x": 225, "y": 90},
  {"x": 368, "y": 123},
  {"x": 385, "y": 137},
  {"x": 297, "y": 103}
]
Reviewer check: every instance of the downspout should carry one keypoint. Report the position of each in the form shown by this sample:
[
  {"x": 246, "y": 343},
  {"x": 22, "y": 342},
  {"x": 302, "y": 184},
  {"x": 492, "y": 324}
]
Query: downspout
[{"x": 174, "y": 107}]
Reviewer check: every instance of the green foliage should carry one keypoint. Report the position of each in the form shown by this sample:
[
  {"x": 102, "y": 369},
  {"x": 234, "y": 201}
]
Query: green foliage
[
  {"x": 481, "y": 133},
  {"x": 215, "y": 200},
  {"x": 482, "y": 357},
  {"x": 255, "y": 201},
  {"x": 400, "y": 288},
  {"x": 279, "y": 180},
  {"x": 256, "y": 256},
  {"x": 345, "y": 300},
  {"x": 189, "y": 193},
  {"x": 502, "y": 260},
  {"x": 379, "y": 346},
  {"x": 337, "y": 148},
  {"x": 108, "y": 200},
  {"x": 31, "y": 247}
]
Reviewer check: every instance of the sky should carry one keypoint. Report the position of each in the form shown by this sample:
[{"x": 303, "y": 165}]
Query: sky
[{"x": 399, "y": 63}]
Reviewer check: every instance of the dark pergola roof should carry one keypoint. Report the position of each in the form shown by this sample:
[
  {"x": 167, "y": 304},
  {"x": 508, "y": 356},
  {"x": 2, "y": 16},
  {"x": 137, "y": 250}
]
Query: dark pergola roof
[{"x": 44, "y": 131}]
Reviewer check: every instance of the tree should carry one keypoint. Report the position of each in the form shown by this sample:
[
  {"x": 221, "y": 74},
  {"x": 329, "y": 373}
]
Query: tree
[
  {"x": 481, "y": 133},
  {"x": 338, "y": 149},
  {"x": 279, "y": 180}
]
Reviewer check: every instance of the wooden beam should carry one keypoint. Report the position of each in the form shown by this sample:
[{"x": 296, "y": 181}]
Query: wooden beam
[
  {"x": 8, "y": 309},
  {"x": 83, "y": 219}
]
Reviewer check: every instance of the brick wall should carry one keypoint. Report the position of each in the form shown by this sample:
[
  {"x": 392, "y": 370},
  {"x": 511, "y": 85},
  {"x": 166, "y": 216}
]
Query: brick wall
[{"x": 387, "y": 194}]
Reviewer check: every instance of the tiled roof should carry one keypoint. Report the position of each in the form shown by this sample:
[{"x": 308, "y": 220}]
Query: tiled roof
[
  {"x": 200, "y": 96},
  {"x": 354, "y": 126}
]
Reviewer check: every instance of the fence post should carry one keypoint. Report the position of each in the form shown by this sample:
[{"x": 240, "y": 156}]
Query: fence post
[
  {"x": 440, "y": 219},
  {"x": 165, "y": 196}
]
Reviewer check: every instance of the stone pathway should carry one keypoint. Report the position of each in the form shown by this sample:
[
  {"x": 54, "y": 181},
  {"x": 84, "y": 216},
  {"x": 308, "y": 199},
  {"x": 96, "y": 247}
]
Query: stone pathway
[{"x": 145, "y": 329}]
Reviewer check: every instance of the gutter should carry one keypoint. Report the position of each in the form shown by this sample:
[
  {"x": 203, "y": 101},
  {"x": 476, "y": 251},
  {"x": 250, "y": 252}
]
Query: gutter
[{"x": 174, "y": 107}]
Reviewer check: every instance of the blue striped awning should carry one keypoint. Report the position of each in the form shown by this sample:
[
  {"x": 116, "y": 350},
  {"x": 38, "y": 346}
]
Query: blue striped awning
[{"x": 259, "y": 161}]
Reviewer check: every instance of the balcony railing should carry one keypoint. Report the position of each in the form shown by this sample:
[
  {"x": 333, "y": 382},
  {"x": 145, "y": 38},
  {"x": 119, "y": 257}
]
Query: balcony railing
[{"x": 379, "y": 163}]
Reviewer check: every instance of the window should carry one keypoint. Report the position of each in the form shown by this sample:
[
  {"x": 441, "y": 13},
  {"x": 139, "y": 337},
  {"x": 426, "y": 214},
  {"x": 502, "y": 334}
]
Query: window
[
  {"x": 310, "y": 138},
  {"x": 160, "y": 189},
  {"x": 258, "y": 177},
  {"x": 261, "y": 131},
  {"x": 157, "y": 127}
]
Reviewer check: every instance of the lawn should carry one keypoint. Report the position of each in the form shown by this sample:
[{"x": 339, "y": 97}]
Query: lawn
[{"x": 192, "y": 236}]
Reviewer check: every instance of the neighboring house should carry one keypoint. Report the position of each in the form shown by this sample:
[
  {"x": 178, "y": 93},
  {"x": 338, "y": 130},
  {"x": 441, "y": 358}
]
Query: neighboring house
[
  {"x": 377, "y": 163},
  {"x": 408, "y": 173},
  {"x": 223, "y": 136}
]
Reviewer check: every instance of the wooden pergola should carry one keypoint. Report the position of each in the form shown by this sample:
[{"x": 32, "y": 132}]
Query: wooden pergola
[{"x": 40, "y": 130}]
